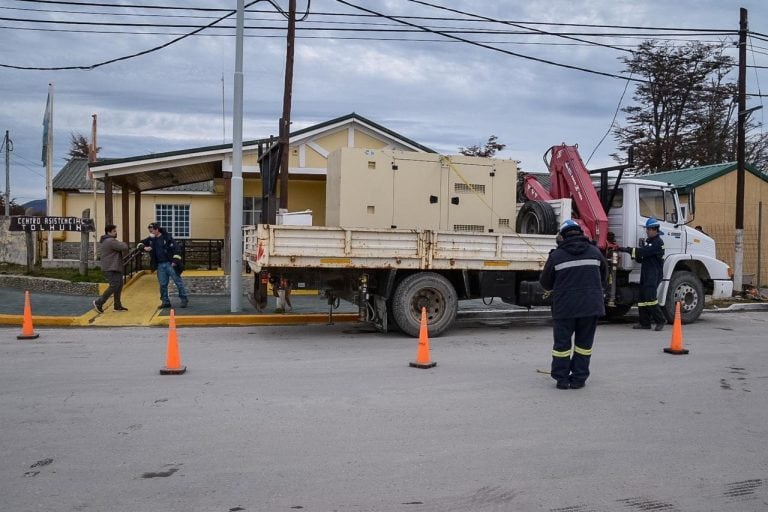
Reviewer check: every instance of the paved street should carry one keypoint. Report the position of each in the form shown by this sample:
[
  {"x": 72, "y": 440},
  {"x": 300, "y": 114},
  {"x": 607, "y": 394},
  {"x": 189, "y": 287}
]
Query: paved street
[{"x": 331, "y": 418}]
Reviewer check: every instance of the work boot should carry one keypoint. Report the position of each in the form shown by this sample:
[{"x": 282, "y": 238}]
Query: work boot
[
  {"x": 120, "y": 308},
  {"x": 641, "y": 326},
  {"x": 562, "y": 385},
  {"x": 164, "y": 305},
  {"x": 184, "y": 302},
  {"x": 578, "y": 385},
  {"x": 98, "y": 307},
  {"x": 659, "y": 327}
]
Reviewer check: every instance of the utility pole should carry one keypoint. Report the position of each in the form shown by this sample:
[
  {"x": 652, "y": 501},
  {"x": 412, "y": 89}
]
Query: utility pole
[
  {"x": 8, "y": 145},
  {"x": 236, "y": 188},
  {"x": 285, "y": 121},
  {"x": 92, "y": 155},
  {"x": 738, "y": 260}
]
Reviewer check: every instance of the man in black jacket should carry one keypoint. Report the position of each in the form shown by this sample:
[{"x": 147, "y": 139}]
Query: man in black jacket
[
  {"x": 167, "y": 261},
  {"x": 575, "y": 273},
  {"x": 651, "y": 258}
]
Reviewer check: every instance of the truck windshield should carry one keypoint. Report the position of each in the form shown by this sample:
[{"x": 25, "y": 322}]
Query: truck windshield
[{"x": 658, "y": 203}]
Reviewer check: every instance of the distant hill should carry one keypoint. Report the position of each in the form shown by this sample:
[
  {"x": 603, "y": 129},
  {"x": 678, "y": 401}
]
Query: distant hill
[{"x": 37, "y": 206}]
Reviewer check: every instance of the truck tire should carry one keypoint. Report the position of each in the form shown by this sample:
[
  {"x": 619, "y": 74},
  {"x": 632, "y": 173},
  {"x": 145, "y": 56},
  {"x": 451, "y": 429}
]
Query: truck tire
[
  {"x": 429, "y": 290},
  {"x": 686, "y": 288},
  {"x": 537, "y": 218}
]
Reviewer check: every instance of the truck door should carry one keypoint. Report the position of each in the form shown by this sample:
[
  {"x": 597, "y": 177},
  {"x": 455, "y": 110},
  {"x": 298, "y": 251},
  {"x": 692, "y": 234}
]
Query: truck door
[{"x": 661, "y": 204}]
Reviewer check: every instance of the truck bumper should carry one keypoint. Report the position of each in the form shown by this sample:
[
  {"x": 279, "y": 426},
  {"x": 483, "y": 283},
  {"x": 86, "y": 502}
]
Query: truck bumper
[{"x": 723, "y": 289}]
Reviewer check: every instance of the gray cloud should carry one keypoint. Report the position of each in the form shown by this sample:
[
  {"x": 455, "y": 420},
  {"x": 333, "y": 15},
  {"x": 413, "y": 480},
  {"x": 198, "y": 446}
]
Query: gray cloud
[{"x": 441, "y": 94}]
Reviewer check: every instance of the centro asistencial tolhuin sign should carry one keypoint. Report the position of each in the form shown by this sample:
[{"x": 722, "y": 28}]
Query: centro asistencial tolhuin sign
[{"x": 46, "y": 223}]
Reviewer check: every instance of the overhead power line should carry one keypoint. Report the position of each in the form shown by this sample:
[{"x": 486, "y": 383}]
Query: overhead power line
[
  {"x": 527, "y": 57},
  {"x": 111, "y": 61}
]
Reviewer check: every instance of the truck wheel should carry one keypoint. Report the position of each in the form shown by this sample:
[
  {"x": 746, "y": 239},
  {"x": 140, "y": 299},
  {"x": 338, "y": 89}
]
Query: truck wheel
[
  {"x": 428, "y": 290},
  {"x": 537, "y": 218},
  {"x": 686, "y": 288}
]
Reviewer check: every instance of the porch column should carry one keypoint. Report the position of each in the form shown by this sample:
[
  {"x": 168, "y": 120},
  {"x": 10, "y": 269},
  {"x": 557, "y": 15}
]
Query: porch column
[
  {"x": 109, "y": 214},
  {"x": 225, "y": 253},
  {"x": 124, "y": 191},
  {"x": 137, "y": 227}
]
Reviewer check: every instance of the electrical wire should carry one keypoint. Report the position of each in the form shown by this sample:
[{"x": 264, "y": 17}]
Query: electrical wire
[
  {"x": 493, "y": 20},
  {"x": 527, "y": 57},
  {"x": 144, "y": 52},
  {"x": 610, "y": 127}
]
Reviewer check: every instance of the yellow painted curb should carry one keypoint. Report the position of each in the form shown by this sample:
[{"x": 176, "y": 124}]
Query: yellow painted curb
[
  {"x": 37, "y": 321},
  {"x": 223, "y": 320}
]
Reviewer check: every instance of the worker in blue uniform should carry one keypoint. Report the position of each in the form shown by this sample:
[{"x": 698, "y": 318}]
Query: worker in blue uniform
[
  {"x": 575, "y": 273},
  {"x": 651, "y": 258}
]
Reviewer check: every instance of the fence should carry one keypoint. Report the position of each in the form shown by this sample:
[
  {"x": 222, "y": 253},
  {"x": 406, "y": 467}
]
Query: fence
[{"x": 754, "y": 259}]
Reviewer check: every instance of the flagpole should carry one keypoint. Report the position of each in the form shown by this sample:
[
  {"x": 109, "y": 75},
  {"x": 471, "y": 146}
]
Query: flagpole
[{"x": 48, "y": 171}]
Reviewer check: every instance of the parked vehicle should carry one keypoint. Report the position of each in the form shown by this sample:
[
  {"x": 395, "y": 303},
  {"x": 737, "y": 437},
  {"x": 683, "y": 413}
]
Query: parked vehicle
[{"x": 392, "y": 273}]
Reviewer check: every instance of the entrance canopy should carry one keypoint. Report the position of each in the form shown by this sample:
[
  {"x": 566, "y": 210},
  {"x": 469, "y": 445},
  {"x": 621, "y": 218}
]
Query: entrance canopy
[{"x": 162, "y": 170}]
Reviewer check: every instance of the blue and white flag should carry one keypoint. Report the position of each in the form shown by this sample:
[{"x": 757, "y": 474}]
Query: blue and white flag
[{"x": 47, "y": 123}]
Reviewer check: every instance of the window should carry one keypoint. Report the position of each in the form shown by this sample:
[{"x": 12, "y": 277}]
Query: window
[
  {"x": 174, "y": 218},
  {"x": 251, "y": 211},
  {"x": 659, "y": 204}
]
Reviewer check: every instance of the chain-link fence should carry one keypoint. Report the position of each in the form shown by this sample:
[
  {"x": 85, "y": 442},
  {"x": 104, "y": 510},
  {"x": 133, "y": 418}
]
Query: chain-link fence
[{"x": 754, "y": 259}]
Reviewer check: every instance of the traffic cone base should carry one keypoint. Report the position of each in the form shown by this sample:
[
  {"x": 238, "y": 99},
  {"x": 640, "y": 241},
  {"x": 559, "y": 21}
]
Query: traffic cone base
[
  {"x": 422, "y": 354},
  {"x": 173, "y": 371},
  {"x": 679, "y": 352},
  {"x": 27, "y": 329},
  {"x": 173, "y": 364},
  {"x": 423, "y": 365},
  {"x": 676, "y": 343}
]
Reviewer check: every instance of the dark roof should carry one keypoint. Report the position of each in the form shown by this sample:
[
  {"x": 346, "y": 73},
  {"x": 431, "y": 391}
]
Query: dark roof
[
  {"x": 692, "y": 177},
  {"x": 74, "y": 176},
  {"x": 256, "y": 142}
]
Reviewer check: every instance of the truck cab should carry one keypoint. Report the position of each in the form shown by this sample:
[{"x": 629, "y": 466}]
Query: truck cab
[{"x": 691, "y": 267}]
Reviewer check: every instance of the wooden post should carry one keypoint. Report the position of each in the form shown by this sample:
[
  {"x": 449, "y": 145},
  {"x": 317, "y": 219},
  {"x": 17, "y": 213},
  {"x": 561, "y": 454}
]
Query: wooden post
[
  {"x": 137, "y": 227},
  {"x": 126, "y": 212},
  {"x": 84, "y": 245},
  {"x": 109, "y": 215},
  {"x": 30, "y": 251},
  {"x": 225, "y": 263}
]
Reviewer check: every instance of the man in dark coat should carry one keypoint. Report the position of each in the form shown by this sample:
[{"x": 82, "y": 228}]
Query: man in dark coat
[
  {"x": 575, "y": 273},
  {"x": 112, "y": 251},
  {"x": 167, "y": 261},
  {"x": 651, "y": 258}
]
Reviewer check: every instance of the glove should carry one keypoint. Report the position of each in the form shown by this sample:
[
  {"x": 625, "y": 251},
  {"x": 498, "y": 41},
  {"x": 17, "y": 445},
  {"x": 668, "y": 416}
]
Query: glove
[{"x": 627, "y": 250}]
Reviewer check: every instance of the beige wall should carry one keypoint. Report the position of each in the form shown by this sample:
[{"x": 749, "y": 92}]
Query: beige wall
[
  {"x": 716, "y": 213},
  {"x": 206, "y": 212}
]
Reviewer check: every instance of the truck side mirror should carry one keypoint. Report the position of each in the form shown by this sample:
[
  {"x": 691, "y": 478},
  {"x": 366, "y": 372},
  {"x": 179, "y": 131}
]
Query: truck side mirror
[{"x": 692, "y": 201}]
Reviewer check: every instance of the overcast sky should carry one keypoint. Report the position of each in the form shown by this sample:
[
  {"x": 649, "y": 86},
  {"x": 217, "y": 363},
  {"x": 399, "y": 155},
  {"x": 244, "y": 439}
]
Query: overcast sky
[{"x": 439, "y": 92}]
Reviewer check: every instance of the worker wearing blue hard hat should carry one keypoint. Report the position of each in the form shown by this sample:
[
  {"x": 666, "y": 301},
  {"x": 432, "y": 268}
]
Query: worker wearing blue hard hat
[
  {"x": 651, "y": 258},
  {"x": 575, "y": 273}
]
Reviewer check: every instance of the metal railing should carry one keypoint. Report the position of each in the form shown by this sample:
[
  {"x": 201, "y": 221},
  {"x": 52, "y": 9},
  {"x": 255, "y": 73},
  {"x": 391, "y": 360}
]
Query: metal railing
[
  {"x": 132, "y": 263},
  {"x": 198, "y": 252}
]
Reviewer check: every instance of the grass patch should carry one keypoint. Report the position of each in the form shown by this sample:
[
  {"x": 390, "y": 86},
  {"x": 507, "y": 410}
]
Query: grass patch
[{"x": 68, "y": 274}]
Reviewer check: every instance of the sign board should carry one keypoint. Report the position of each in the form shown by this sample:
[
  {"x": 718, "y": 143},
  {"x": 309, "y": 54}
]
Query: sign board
[{"x": 45, "y": 223}]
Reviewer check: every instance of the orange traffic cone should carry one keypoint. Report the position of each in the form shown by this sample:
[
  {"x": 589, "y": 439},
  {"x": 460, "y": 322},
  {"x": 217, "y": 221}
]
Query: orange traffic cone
[
  {"x": 27, "y": 330},
  {"x": 422, "y": 354},
  {"x": 676, "y": 344},
  {"x": 173, "y": 359}
]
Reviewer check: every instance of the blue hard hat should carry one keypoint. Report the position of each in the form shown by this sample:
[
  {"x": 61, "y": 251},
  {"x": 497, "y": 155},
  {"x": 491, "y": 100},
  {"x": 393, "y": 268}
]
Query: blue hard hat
[
  {"x": 569, "y": 225},
  {"x": 654, "y": 223}
]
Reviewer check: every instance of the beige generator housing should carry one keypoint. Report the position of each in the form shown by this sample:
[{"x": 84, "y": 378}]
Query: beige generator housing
[{"x": 380, "y": 188}]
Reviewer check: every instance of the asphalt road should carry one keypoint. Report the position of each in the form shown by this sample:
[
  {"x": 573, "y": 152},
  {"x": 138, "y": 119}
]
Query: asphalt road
[{"x": 331, "y": 418}]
